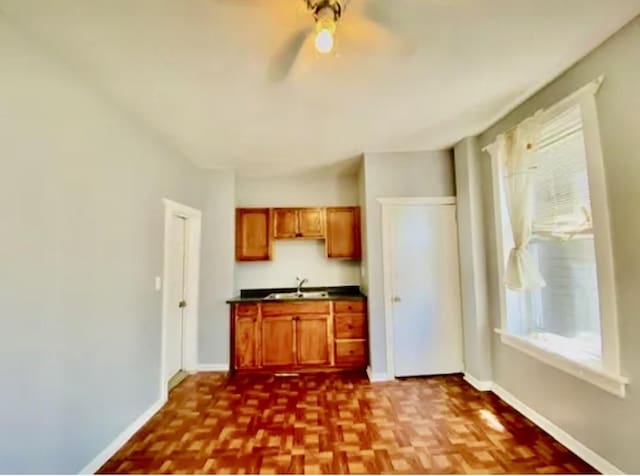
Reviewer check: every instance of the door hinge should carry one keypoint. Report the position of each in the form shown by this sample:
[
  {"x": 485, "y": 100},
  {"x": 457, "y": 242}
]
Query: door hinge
[{"x": 182, "y": 304}]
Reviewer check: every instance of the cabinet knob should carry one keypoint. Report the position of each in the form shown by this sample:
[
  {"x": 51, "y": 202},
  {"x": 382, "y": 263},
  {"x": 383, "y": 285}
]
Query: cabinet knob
[{"x": 396, "y": 299}]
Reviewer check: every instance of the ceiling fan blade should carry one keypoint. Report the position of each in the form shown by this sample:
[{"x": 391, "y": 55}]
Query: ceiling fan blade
[
  {"x": 380, "y": 12},
  {"x": 358, "y": 34},
  {"x": 283, "y": 60}
]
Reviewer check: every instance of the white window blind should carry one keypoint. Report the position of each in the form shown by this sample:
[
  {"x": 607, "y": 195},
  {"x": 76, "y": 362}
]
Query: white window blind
[{"x": 563, "y": 205}]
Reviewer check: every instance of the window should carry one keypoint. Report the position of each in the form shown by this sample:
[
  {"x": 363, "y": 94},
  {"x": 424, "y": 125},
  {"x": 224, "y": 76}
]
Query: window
[{"x": 564, "y": 322}]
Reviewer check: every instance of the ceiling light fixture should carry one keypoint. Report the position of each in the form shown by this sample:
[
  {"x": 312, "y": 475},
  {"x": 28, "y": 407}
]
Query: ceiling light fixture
[
  {"x": 327, "y": 12},
  {"x": 324, "y": 36}
]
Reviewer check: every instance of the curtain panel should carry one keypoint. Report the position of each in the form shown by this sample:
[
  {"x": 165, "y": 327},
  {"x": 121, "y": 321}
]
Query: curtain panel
[{"x": 515, "y": 152}]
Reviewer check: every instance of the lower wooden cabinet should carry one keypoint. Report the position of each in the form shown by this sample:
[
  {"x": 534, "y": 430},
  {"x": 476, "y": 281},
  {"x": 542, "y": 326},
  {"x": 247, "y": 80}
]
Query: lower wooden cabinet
[
  {"x": 278, "y": 337},
  {"x": 350, "y": 352},
  {"x": 312, "y": 340},
  {"x": 246, "y": 340},
  {"x": 310, "y": 335}
]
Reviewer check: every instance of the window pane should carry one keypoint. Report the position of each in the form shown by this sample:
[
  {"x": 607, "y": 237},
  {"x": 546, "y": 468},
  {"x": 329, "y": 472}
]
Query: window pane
[{"x": 568, "y": 305}]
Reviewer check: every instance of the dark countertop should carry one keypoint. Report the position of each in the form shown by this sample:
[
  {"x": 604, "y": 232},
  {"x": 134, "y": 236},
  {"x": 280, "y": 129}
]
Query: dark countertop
[{"x": 336, "y": 293}]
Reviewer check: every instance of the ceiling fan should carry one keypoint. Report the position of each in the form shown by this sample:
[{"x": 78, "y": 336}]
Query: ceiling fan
[{"x": 368, "y": 26}]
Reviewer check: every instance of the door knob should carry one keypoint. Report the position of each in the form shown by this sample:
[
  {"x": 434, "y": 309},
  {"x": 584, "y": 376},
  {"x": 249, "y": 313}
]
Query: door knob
[
  {"x": 395, "y": 299},
  {"x": 182, "y": 304}
]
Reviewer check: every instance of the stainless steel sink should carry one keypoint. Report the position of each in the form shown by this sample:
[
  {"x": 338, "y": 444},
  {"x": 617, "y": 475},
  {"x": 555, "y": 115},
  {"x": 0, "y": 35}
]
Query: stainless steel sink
[{"x": 302, "y": 295}]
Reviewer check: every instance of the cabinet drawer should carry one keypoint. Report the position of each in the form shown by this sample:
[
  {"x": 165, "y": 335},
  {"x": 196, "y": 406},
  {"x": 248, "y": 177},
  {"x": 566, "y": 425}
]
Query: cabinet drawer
[
  {"x": 350, "y": 326},
  {"x": 293, "y": 308},
  {"x": 351, "y": 352},
  {"x": 348, "y": 306},
  {"x": 245, "y": 310}
]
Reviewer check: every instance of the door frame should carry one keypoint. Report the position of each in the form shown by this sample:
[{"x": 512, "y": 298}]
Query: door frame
[
  {"x": 193, "y": 227},
  {"x": 387, "y": 204}
]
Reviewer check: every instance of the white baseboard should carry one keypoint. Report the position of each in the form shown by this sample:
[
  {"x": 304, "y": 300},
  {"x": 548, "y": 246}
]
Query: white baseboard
[
  {"x": 588, "y": 455},
  {"x": 122, "y": 438},
  {"x": 378, "y": 377},
  {"x": 213, "y": 367},
  {"x": 482, "y": 385}
]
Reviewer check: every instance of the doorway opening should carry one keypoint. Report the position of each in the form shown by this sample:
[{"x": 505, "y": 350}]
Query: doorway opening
[{"x": 181, "y": 273}]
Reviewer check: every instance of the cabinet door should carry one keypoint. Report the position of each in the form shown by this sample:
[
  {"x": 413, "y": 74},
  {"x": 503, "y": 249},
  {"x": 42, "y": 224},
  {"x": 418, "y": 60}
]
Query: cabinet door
[
  {"x": 253, "y": 234},
  {"x": 285, "y": 223},
  {"x": 311, "y": 223},
  {"x": 350, "y": 326},
  {"x": 351, "y": 353},
  {"x": 312, "y": 340},
  {"x": 343, "y": 232},
  {"x": 277, "y": 341},
  {"x": 246, "y": 339}
]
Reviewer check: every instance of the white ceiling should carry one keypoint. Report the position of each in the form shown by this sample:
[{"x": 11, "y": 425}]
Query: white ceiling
[{"x": 196, "y": 72}]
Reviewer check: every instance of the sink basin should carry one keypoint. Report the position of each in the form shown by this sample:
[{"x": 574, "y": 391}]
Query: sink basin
[{"x": 303, "y": 295}]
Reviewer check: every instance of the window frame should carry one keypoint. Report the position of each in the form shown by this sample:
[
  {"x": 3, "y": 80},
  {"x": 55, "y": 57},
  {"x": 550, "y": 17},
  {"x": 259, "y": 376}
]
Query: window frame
[{"x": 607, "y": 376}]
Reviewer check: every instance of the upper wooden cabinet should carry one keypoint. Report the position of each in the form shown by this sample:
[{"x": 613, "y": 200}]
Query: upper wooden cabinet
[
  {"x": 343, "y": 232},
  {"x": 311, "y": 222},
  {"x": 257, "y": 227},
  {"x": 253, "y": 234},
  {"x": 285, "y": 222},
  {"x": 298, "y": 223}
]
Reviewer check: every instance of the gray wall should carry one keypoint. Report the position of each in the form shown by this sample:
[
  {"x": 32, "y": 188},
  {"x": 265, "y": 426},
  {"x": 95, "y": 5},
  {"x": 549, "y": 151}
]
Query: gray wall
[
  {"x": 217, "y": 269},
  {"x": 607, "y": 424},
  {"x": 81, "y": 181},
  {"x": 396, "y": 174},
  {"x": 475, "y": 316},
  {"x": 362, "y": 203}
]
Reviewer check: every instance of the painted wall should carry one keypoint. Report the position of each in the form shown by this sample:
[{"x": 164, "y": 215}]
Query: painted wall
[
  {"x": 362, "y": 202},
  {"x": 603, "y": 422},
  {"x": 396, "y": 174},
  {"x": 475, "y": 317},
  {"x": 293, "y": 258},
  {"x": 82, "y": 234},
  {"x": 217, "y": 266}
]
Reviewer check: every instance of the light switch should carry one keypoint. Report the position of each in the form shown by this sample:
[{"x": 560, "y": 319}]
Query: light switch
[{"x": 158, "y": 283}]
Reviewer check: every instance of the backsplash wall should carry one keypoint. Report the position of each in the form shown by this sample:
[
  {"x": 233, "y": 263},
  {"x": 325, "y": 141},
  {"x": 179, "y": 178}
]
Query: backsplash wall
[{"x": 291, "y": 258}]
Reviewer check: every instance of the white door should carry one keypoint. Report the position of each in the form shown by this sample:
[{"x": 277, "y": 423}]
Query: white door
[
  {"x": 425, "y": 286},
  {"x": 175, "y": 289}
]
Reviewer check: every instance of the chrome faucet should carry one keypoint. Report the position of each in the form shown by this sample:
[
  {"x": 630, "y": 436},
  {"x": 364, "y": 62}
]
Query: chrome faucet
[{"x": 300, "y": 284}]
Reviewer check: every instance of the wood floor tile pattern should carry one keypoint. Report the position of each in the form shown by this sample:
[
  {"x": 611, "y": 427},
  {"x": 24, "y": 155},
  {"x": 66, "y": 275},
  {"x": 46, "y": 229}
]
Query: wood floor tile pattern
[{"x": 338, "y": 424}]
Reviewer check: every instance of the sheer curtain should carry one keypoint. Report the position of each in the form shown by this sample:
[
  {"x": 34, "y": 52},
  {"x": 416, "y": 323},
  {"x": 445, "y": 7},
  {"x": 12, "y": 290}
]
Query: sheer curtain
[{"x": 514, "y": 151}]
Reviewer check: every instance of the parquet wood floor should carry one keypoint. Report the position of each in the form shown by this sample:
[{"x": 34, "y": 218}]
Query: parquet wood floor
[{"x": 338, "y": 424}]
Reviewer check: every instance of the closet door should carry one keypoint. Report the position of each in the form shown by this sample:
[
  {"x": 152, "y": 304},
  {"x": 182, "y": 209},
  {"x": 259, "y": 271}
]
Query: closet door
[{"x": 425, "y": 287}]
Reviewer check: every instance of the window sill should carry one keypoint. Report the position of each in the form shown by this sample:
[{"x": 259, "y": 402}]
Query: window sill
[{"x": 599, "y": 377}]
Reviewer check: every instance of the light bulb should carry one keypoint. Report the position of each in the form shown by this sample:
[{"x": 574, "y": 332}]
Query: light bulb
[{"x": 324, "y": 41}]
